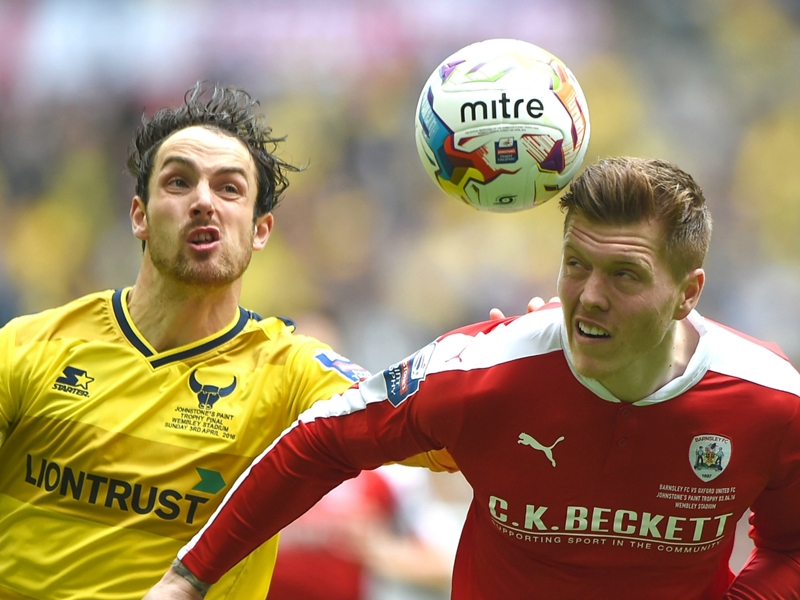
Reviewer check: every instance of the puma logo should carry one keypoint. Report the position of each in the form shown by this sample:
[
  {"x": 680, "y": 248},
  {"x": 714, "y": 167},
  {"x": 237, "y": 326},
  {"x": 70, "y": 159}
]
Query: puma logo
[
  {"x": 458, "y": 356},
  {"x": 524, "y": 438}
]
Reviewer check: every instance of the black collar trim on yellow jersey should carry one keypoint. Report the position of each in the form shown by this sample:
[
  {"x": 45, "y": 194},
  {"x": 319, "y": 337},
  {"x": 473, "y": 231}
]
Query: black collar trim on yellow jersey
[
  {"x": 244, "y": 316},
  {"x": 130, "y": 334},
  {"x": 127, "y": 330}
]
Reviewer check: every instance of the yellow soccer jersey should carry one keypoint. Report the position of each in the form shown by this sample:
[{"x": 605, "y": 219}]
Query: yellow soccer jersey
[{"x": 112, "y": 455}]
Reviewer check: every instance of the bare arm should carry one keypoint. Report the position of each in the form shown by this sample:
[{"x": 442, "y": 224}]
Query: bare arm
[{"x": 178, "y": 584}]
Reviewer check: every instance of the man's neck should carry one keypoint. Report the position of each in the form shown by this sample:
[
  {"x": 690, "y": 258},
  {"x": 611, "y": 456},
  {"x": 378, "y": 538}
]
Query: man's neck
[
  {"x": 654, "y": 371},
  {"x": 170, "y": 315}
]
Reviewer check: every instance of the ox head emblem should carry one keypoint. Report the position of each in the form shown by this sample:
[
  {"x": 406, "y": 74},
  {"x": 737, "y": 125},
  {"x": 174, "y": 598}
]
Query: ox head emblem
[{"x": 207, "y": 395}]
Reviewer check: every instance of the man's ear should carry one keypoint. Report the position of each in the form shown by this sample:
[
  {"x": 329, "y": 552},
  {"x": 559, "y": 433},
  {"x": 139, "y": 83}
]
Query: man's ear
[
  {"x": 139, "y": 219},
  {"x": 262, "y": 229},
  {"x": 690, "y": 294}
]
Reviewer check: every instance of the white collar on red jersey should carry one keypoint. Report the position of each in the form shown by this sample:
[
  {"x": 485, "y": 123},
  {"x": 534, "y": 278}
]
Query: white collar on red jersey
[{"x": 695, "y": 370}]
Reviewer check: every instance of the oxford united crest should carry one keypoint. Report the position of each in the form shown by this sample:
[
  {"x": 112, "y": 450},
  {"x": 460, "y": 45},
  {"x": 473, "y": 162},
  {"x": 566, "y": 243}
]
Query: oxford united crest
[{"x": 709, "y": 455}]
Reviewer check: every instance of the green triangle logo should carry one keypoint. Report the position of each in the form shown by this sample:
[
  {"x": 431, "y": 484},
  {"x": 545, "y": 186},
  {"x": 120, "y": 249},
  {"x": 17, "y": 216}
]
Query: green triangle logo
[{"x": 210, "y": 481}]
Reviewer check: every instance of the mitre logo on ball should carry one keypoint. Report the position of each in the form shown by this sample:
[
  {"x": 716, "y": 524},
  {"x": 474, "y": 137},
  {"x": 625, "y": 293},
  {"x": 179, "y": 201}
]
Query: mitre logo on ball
[{"x": 479, "y": 110}]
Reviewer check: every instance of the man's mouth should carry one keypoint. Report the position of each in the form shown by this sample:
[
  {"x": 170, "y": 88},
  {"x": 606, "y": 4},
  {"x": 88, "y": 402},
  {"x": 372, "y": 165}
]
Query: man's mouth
[
  {"x": 592, "y": 331},
  {"x": 203, "y": 237}
]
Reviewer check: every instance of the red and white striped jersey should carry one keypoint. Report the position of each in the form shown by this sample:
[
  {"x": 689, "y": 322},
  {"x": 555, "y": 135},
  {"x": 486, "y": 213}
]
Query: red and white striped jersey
[{"x": 576, "y": 494}]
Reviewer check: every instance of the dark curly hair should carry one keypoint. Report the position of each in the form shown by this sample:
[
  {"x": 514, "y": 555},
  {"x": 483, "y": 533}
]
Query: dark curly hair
[{"x": 229, "y": 110}]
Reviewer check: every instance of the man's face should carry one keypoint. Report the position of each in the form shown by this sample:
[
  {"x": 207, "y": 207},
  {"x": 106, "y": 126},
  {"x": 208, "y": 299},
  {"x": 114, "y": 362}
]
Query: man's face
[
  {"x": 199, "y": 220},
  {"x": 620, "y": 301}
]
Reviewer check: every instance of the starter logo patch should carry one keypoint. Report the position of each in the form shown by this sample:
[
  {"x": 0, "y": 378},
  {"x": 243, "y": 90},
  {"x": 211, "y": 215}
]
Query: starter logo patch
[{"x": 74, "y": 381}]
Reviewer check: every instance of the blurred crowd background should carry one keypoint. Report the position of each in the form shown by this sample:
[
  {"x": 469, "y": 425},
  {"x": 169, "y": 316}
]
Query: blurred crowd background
[
  {"x": 365, "y": 247},
  {"x": 363, "y": 237}
]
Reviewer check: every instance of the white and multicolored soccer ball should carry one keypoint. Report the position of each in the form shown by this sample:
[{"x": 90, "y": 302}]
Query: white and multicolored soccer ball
[{"x": 502, "y": 125}]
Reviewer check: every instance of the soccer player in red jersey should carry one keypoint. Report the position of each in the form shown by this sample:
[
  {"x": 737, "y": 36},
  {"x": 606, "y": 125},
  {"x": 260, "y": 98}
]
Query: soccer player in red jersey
[{"x": 612, "y": 443}]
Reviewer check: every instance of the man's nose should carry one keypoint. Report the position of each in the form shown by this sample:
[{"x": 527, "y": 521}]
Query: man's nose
[
  {"x": 595, "y": 292},
  {"x": 203, "y": 201}
]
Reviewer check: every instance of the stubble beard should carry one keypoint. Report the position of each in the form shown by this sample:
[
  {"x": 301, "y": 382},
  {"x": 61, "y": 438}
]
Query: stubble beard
[{"x": 211, "y": 272}]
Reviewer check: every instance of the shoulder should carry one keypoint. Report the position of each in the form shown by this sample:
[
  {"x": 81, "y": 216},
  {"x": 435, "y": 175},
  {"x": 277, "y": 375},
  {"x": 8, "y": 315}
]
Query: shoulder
[
  {"x": 304, "y": 353},
  {"x": 271, "y": 327},
  {"x": 537, "y": 323},
  {"x": 493, "y": 342},
  {"x": 739, "y": 355},
  {"x": 82, "y": 313}
]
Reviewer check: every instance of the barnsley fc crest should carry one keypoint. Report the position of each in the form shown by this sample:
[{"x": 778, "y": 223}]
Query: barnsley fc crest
[{"x": 709, "y": 455}]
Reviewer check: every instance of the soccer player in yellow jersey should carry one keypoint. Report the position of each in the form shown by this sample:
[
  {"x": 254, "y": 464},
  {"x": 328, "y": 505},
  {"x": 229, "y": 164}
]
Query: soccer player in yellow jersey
[{"x": 125, "y": 416}]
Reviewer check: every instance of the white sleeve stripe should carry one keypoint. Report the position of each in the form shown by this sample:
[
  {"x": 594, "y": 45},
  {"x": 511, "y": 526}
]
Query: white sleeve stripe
[{"x": 534, "y": 334}]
